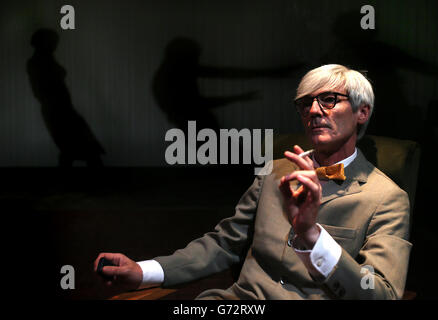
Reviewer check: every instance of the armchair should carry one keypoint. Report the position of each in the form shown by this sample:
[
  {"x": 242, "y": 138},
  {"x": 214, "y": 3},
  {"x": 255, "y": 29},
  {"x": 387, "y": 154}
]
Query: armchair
[{"x": 399, "y": 159}]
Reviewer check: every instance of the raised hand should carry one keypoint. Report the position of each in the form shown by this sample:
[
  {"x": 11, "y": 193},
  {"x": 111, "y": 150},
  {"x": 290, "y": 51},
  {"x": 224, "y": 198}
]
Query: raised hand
[{"x": 302, "y": 205}]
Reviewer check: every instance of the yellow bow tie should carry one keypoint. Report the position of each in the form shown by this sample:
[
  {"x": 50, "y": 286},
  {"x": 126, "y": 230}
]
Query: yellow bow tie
[{"x": 335, "y": 172}]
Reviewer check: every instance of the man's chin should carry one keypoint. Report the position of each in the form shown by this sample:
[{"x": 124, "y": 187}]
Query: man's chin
[{"x": 320, "y": 140}]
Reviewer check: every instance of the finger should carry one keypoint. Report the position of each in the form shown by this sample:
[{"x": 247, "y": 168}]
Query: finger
[
  {"x": 112, "y": 257},
  {"x": 311, "y": 174},
  {"x": 105, "y": 280},
  {"x": 115, "y": 258},
  {"x": 96, "y": 262},
  {"x": 285, "y": 188},
  {"x": 284, "y": 181},
  {"x": 308, "y": 183},
  {"x": 300, "y": 162},
  {"x": 111, "y": 271},
  {"x": 299, "y": 195},
  {"x": 298, "y": 150},
  {"x": 314, "y": 188}
]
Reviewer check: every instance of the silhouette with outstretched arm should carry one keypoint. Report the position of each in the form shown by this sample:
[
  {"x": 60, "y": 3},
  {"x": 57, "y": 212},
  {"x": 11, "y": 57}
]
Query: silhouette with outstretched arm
[
  {"x": 68, "y": 129},
  {"x": 382, "y": 62},
  {"x": 176, "y": 90}
]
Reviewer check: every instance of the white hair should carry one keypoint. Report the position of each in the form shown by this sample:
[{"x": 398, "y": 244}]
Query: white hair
[{"x": 332, "y": 76}]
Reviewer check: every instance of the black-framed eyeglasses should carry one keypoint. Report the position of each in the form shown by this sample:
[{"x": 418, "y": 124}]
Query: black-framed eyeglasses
[{"x": 326, "y": 100}]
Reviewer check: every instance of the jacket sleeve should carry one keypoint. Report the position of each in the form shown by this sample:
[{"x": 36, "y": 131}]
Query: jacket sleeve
[
  {"x": 380, "y": 268},
  {"x": 218, "y": 250}
]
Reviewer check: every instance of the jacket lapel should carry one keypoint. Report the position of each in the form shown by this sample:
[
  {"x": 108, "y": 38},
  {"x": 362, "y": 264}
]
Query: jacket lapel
[
  {"x": 332, "y": 190},
  {"x": 357, "y": 174}
]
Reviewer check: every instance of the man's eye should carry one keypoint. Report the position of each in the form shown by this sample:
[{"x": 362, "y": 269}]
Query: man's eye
[{"x": 328, "y": 99}]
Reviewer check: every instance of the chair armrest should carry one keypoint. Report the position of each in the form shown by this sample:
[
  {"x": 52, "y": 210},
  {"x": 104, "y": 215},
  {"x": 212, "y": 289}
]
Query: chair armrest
[
  {"x": 145, "y": 294},
  {"x": 187, "y": 291}
]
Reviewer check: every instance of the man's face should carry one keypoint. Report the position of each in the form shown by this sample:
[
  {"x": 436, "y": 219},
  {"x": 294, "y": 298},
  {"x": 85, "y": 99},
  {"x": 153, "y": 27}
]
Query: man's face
[{"x": 330, "y": 129}]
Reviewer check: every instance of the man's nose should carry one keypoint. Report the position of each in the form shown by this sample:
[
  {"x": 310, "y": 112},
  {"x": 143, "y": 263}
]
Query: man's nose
[{"x": 315, "y": 109}]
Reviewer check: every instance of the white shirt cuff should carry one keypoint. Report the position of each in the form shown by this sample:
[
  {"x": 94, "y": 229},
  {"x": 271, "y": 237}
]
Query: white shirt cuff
[
  {"x": 323, "y": 257},
  {"x": 153, "y": 274}
]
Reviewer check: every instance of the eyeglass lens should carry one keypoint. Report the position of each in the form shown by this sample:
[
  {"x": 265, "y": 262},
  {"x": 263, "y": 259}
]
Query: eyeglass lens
[{"x": 326, "y": 100}]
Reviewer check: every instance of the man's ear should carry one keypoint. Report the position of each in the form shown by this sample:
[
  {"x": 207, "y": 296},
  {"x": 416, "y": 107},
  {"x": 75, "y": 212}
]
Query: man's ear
[{"x": 363, "y": 113}]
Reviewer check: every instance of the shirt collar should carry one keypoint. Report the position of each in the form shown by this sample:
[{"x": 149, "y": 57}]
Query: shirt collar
[{"x": 346, "y": 161}]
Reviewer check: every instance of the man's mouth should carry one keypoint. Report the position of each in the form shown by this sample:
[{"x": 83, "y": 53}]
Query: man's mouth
[{"x": 319, "y": 126}]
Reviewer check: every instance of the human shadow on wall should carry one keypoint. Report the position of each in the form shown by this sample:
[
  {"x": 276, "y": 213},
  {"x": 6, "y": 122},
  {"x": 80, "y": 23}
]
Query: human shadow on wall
[
  {"x": 176, "y": 90},
  {"x": 66, "y": 126},
  {"x": 381, "y": 62}
]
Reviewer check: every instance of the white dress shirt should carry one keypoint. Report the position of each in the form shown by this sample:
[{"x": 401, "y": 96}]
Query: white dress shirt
[
  {"x": 326, "y": 252},
  {"x": 319, "y": 261}
]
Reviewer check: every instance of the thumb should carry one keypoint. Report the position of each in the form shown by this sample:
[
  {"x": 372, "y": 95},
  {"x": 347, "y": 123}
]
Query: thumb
[{"x": 111, "y": 271}]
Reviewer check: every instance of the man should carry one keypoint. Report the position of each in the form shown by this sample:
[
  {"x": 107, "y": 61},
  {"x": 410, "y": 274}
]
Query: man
[{"x": 312, "y": 233}]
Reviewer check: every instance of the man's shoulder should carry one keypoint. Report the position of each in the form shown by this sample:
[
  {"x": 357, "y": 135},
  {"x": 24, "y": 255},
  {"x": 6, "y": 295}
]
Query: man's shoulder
[
  {"x": 380, "y": 181},
  {"x": 282, "y": 166},
  {"x": 282, "y": 162}
]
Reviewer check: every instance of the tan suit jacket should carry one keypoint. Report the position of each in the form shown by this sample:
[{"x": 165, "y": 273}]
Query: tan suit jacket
[{"x": 367, "y": 214}]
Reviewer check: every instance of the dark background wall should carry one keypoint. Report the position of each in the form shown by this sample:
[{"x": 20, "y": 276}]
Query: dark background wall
[
  {"x": 117, "y": 47},
  {"x": 256, "y": 50}
]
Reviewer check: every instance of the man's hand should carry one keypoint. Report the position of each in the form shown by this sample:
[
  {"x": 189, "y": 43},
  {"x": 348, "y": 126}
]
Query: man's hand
[
  {"x": 126, "y": 275},
  {"x": 303, "y": 204}
]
